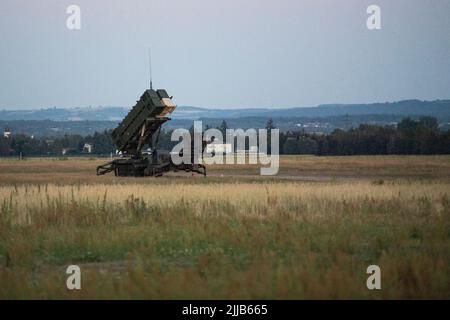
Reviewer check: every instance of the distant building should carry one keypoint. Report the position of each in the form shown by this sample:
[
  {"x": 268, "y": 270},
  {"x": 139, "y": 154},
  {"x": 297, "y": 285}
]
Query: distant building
[
  {"x": 251, "y": 150},
  {"x": 87, "y": 148},
  {"x": 68, "y": 151},
  {"x": 7, "y": 133},
  {"x": 220, "y": 148}
]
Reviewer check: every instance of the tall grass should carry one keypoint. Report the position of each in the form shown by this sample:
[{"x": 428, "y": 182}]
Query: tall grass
[{"x": 227, "y": 240}]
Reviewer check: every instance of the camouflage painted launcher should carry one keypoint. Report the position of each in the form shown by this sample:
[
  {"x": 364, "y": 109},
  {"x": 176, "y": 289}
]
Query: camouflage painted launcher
[{"x": 141, "y": 125}]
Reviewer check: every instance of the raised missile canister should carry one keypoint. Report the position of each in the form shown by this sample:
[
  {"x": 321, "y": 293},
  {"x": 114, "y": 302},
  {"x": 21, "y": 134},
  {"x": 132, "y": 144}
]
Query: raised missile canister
[{"x": 153, "y": 105}]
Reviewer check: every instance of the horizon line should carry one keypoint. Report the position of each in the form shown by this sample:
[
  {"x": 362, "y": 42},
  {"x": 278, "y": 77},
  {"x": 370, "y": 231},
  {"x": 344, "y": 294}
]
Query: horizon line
[{"x": 227, "y": 108}]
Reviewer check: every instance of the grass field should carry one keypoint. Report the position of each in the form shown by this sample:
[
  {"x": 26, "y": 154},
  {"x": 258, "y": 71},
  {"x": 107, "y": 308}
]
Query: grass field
[{"x": 309, "y": 232}]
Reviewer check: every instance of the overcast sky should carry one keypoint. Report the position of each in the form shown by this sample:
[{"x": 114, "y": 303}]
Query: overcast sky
[{"x": 217, "y": 53}]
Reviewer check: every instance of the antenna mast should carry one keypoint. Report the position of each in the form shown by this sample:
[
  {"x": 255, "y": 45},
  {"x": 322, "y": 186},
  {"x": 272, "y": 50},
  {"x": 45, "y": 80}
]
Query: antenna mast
[{"x": 150, "y": 66}]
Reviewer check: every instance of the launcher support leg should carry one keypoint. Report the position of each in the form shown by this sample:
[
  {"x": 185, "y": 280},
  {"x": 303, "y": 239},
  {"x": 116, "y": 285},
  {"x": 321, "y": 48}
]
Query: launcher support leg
[
  {"x": 141, "y": 138},
  {"x": 105, "y": 168}
]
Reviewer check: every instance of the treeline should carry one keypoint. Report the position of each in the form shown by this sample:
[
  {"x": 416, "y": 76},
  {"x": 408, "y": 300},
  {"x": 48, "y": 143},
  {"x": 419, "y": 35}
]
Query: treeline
[
  {"x": 21, "y": 144},
  {"x": 409, "y": 136}
]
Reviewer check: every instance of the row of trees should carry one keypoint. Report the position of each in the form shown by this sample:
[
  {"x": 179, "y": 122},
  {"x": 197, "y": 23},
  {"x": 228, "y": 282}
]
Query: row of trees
[
  {"x": 408, "y": 137},
  {"x": 25, "y": 145}
]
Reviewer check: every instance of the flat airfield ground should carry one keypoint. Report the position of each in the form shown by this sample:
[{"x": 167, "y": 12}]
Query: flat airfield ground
[
  {"x": 309, "y": 232},
  {"x": 298, "y": 168}
]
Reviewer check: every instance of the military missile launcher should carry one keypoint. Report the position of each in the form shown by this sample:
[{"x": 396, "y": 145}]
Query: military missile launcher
[{"x": 141, "y": 127}]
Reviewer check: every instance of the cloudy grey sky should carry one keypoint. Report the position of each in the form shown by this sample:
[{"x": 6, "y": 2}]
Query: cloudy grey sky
[{"x": 217, "y": 53}]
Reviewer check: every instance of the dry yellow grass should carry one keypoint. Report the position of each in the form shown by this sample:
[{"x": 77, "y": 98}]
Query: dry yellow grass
[
  {"x": 231, "y": 237},
  {"x": 243, "y": 196}
]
